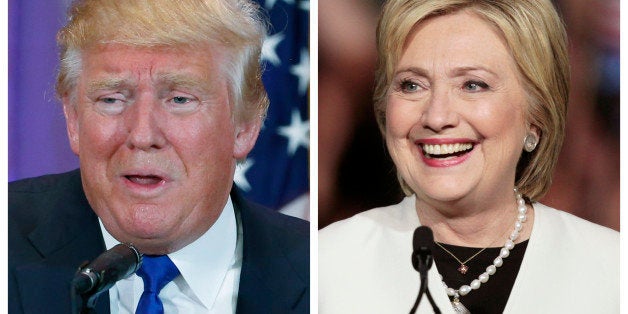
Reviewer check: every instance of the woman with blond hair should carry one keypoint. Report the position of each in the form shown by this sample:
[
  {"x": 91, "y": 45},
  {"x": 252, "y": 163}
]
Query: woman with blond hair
[{"x": 471, "y": 98}]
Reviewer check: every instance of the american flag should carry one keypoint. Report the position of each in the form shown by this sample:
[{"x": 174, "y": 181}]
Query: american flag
[{"x": 275, "y": 173}]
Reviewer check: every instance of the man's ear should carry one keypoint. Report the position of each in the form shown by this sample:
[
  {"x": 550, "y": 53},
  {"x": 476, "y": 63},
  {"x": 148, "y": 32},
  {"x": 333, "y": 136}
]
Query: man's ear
[
  {"x": 246, "y": 136},
  {"x": 72, "y": 124}
]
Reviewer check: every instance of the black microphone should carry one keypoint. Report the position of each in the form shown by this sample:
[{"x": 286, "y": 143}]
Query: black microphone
[
  {"x": 422, "y": 243},
  {"x": 101, "y": 274},
  {"x": 422, "y": 260}
]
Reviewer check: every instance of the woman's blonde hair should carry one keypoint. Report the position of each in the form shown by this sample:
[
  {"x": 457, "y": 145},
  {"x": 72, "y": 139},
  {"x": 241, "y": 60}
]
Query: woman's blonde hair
[
  {"x": 537, "y": 40},
  {"x": 235, "y": 25}
]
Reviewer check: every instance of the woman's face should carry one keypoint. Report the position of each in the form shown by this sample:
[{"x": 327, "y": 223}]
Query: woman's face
[{"x": 455, "y": 114}]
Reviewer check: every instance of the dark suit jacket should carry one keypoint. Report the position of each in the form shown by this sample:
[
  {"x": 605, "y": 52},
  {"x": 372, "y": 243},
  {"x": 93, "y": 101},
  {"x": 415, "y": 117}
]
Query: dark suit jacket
[{"x": 53, "y": 230}]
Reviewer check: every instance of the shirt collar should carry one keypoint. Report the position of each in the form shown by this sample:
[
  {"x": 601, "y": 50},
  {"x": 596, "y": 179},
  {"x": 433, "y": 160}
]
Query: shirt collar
[{"x": 204, "y": 263}]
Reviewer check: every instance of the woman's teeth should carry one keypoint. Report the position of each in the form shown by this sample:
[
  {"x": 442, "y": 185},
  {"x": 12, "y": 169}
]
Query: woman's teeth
[{"x": 443, "y": 150}]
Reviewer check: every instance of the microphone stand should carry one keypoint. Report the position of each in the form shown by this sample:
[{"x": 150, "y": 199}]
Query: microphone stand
[
  {"x": 83, "y": 303},
  {"x": 422, "y": 260},
  {"x": 429, "y": 298},
  {"x": 423, "y": 289}
]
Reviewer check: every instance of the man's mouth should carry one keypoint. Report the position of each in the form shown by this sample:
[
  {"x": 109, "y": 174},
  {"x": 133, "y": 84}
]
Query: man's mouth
[
  {"x": 444, "y": 151},
  {"x": 144, "y": 180}
]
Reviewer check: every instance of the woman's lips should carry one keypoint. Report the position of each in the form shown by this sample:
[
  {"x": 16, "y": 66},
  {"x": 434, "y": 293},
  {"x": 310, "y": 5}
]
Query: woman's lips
[{"x": 445, "y": 152}]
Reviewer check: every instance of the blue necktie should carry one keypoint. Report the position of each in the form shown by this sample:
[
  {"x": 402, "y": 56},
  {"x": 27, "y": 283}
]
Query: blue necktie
[{"x": 156, "y": 271}]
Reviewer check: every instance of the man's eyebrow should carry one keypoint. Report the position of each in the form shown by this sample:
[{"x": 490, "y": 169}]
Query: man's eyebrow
[
  {"x": 107, "y": 84},
  {"x": 164, "y": 79},
  {"x": 181, "y": 80}
]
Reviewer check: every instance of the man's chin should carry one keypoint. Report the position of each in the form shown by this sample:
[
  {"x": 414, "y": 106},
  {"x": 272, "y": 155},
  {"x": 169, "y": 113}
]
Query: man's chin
[{"x": 156, "y": 246}]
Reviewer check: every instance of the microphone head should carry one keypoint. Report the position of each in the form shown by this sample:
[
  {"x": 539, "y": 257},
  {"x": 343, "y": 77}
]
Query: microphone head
[
  {"x": 102, "y": 273},
  {"x": 422, "y": 243},
  {"x": 423, "y": 239}
]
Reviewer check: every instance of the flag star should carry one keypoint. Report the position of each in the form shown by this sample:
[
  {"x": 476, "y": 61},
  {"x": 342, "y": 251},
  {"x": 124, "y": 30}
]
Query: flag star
[
  {"x": 302, "y": 71},
  {"x": 304, "y": 5},
  {"x": 297, "y": 132},
  {"x": 240, "y": 175},
  {"x": 269, "y": 49},
  {"x": 269, "y": 4}
]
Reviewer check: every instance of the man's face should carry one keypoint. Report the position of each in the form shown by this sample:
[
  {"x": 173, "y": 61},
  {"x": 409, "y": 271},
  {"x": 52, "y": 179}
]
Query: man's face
[{"x": 157, "y": 142}]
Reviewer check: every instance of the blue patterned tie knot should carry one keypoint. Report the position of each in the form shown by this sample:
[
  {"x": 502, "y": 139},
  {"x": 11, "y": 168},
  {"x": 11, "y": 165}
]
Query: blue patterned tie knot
[{"x": 156, "y": 272}]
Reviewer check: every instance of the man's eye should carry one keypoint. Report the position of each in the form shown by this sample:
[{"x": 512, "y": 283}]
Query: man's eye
[
  {"x": 182, "y": 104},
  {"x": 109, "y": 100},
  {"x": 180, "y": 100},
  {"x": 111, "y": 105}
]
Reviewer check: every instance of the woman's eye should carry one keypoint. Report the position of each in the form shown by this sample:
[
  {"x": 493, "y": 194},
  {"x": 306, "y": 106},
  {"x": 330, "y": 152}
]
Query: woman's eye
[
  {"x": 475, "y": 86},
  {"x": 409, "y": 86}
]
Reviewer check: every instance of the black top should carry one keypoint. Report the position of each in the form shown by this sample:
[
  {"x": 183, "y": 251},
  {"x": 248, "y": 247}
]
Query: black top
[{"x": 492, "y": 296}]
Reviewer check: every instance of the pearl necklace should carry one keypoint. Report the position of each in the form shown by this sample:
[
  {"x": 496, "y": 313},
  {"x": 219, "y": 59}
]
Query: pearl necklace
[{"x": 498, "y": 262}]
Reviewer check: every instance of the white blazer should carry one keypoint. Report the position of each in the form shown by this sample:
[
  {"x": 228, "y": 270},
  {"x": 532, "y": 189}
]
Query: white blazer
[{"x": 570, "y": 265}]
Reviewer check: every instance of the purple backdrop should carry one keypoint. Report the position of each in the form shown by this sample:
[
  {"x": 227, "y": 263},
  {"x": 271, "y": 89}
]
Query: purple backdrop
[{"x": 37, "y": 138}]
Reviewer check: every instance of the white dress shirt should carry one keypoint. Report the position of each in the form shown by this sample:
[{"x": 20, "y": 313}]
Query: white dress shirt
[{"x": 210, "y": 272}]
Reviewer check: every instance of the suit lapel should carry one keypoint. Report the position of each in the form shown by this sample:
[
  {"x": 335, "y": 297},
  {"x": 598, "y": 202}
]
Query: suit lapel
[
  {"x": 268, "y": 280},
  {"x": 65, "y": 238}
]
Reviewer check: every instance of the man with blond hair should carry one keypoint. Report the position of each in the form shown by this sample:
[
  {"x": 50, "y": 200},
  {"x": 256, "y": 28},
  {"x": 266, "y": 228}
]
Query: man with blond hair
[{"x": 162, "y": 99}]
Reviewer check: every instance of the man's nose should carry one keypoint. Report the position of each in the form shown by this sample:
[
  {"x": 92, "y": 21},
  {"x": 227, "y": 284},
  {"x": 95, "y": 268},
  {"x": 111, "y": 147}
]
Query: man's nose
[{"x": 144, "y": 124}]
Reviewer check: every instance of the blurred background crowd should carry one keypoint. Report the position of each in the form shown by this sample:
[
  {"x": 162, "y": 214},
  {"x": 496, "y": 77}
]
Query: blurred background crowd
[{"x": 355, "y": 172}]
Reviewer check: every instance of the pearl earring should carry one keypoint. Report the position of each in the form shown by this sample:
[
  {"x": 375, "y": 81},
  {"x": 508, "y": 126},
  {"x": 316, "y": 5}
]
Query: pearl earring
[{"x": 530, "y": 142}]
